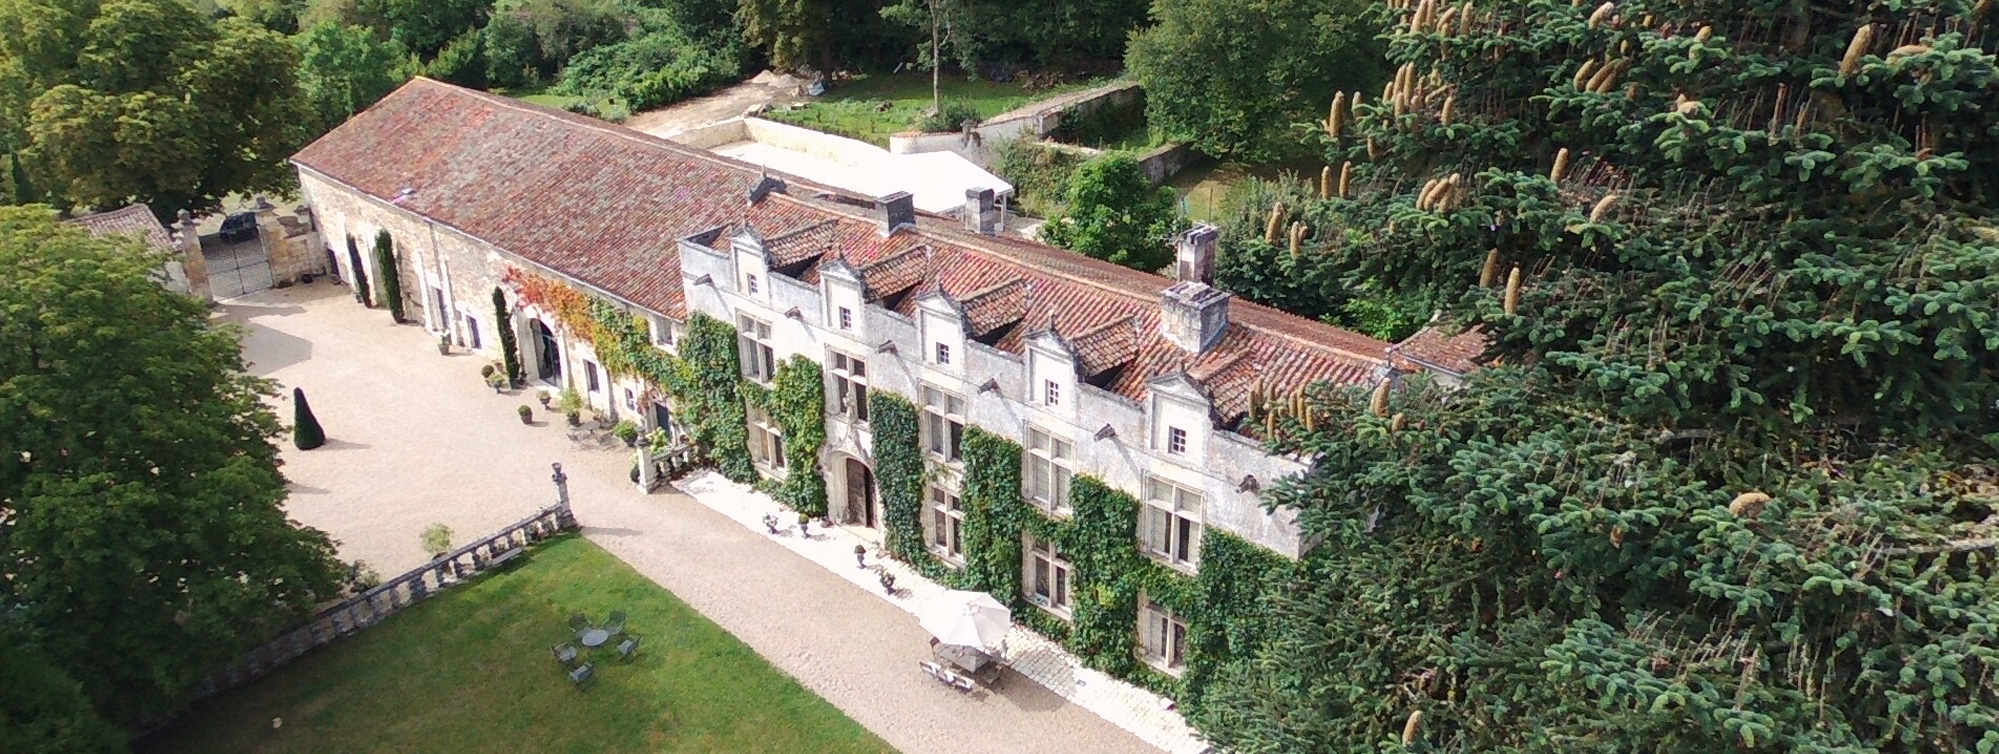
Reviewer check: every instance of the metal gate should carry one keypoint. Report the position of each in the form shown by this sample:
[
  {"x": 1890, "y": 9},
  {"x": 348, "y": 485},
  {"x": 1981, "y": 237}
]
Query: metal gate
[{"x": 235, "y": 269}]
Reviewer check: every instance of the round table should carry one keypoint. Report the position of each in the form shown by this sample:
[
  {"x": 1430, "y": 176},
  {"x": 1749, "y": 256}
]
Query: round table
[{"x": 595, "y": 637}]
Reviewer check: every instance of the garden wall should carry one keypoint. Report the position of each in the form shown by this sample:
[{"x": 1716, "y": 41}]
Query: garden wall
[{"x": 1037, "y": 120}]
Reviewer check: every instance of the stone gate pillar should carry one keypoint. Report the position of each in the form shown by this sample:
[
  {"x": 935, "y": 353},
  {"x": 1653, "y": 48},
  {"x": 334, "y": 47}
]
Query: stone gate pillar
[{"x": 187, "y": 239}]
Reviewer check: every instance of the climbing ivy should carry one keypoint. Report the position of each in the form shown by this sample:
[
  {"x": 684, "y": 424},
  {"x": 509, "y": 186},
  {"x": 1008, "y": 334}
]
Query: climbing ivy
[
  {"x": 991, "y": 497},
  {"x": 899, "y": 472},
  {"x": 796, "y": 400},
  {"x": 711, "y": 396}
]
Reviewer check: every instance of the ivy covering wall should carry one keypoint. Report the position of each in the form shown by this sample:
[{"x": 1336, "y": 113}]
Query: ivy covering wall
[
  {"x": 712, "y": 397},
  {"x": 899, "y": 473},
  {"x": 796, "y": 400},
  {"x": 1223, "y": 606}
]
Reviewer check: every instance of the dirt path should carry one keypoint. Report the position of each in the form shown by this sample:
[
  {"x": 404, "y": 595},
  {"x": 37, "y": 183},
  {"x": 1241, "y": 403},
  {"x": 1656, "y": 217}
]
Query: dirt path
[
  {"x": 416, "y": 438},
  {"x": 765, "y": 89}
]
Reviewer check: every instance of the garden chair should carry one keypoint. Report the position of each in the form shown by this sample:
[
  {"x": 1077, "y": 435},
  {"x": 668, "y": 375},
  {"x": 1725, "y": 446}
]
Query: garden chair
[
  {"x": 582, "y": 674},
  {"x": 629, "y": 648},
  {"x": 616, "y": 623},
  {"x": 565, "y": 653},
  {"x": 579, "y": 623}
]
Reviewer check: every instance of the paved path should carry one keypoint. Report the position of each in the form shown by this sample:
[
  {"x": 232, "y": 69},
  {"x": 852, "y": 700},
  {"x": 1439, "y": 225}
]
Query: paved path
[{"x": 416, "y": 438}]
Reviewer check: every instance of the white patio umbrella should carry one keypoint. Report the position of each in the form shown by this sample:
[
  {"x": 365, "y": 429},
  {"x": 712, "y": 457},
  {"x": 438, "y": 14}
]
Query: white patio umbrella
[{"x": 968, "y": 619}]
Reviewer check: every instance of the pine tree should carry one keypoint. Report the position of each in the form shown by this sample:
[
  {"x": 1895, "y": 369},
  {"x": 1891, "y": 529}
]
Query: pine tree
[
  {"x": 1728, "y": 483},
  {"x": 509, "y": 351},
  {"x": 360, "y": 275},
  {"x": 306, "y": 432},
  {"x": 392, "y": 283}
]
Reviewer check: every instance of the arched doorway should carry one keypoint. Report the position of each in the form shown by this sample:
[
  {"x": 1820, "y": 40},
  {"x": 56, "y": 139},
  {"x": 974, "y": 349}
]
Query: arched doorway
[
  {"x": 860, "y": 496},
  {"x": 547, "y": 355}
]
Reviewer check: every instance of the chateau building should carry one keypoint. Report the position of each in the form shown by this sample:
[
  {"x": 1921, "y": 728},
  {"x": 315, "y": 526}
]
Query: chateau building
[{"x": 1145, "y": 383}]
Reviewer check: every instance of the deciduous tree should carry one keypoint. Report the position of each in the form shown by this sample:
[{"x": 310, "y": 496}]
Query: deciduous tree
[
  {"x": 1113, "y": 212},
  {"x": 146, "y": 100},
  {"x": 344, "y": 69},
  {"x": 142, "y": 538}
]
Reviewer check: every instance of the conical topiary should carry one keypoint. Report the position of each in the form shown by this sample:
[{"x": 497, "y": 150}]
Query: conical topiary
[{"x": 306, "y": 433}]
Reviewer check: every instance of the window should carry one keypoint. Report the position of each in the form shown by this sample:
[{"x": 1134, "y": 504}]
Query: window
[
  {"x": 1051, "y": 393},
  {"x": 662, "y": 332},
  {"x": 590, "y": 376},
  {"x": 846, "y": 318},
  {"x": 438, "y": 312},
  {"x": 1176, "y": 441},
  {"x": 850, "y": 387},
  {"x": 750, "y": 283},
  {"x": 943, "y": 354},
  {"x": 947, "y": 523},
  {"x": 753, "y": 343},
  {"x": 1170, "y": 525},
  {"x": 1047, "y": 578},
  {"x": 1047, "y": 475},
  {"x": 472, "y": 332},
  {"x": 1162, "y": 636},
  {"x": 766, "y": 440},
  {"x": 943, "y": 424},
  {"x": 631, "y": 401}
]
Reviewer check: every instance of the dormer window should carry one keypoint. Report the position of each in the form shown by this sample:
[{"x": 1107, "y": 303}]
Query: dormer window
[
  {"x": 750, "y": 284},
  {"x": 846, "y": 318},
  {"x": 1051, "y": 393},
  {"x": 943, "y": 353},
  {"x": 1176, "y": 440}
]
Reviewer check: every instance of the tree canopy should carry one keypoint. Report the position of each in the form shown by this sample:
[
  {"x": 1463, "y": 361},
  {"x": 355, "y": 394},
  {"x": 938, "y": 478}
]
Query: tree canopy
[
  {"x": 1111, "y": 211},
  {"x": 344, "y": 69},
  {"x": 1728, "y": 483},
  {"x": 1234, "y": 77},
  {"x": 142, "y": 542},
  {"x": 146, "y": 100}
]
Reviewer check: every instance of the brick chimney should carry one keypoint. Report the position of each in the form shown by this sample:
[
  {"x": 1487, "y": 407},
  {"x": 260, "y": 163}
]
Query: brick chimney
[
  {"x": 981, "y": 212},
  {"x": 1195, "y": 250},
  {"x": 896, "y": 211}
]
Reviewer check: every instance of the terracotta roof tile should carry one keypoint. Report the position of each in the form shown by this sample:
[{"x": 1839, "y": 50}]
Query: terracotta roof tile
[
  {"x": 130, "y": 219},
  {"x": 1432, "y": 348}
]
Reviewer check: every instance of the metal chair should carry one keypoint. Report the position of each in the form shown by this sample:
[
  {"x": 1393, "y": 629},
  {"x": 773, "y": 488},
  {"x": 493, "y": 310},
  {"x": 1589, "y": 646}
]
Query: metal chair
[
  {"x": 565, "y": 653},
  {"x": 616, "y": 623},
  {"x": 579, "y": 623},
  {"x": 629, "y": 648},
  {"x": 582, "y": 674}
]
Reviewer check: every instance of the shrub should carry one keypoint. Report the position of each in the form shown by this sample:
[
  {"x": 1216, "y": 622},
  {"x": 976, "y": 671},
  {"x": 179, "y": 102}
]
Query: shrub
[
  {"x": 625, "y": 430},
  {"x": 392, "y": 283},
  {"x": 656, "y": 68},
  {"x": 306, "y": 432},
  {"x": 1039, "y": 175},
  {"x": 570, "y": 402},
  {"x": 463, "y": 62},
  {"x": 486, "y": 371},
  {"x": 436, "y": 540},
  {"x": 525, "y": 412},
  {"x": 950, "y": 118}
]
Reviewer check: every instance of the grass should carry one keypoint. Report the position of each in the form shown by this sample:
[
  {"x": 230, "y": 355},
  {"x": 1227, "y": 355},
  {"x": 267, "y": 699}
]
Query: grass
[
  {"x": 855, "y": 109},
  {"x": 1206, "y": 188},
  {"x": 470, "y": 671},
  {"x": 605, "y": 105}
]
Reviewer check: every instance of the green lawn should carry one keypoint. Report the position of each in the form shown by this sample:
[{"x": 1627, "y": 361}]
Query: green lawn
[
  {"x": 470, "y": 671},
  {"x": 855, "y": 108}
]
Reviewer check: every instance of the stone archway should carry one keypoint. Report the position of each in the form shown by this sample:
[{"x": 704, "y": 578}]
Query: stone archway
[{"x": 858, "y": 502}]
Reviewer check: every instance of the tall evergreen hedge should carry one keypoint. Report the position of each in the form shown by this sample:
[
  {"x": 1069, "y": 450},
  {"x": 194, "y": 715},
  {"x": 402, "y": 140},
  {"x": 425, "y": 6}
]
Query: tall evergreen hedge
[
  {"x": 392, "y": 284},
  {"x": 510, "y": 352},
  {"x": 306, "y": 432}
]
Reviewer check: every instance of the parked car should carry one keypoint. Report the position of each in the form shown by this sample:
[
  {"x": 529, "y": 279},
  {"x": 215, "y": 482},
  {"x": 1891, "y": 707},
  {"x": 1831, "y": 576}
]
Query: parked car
[{"x": 239, "y": 227}]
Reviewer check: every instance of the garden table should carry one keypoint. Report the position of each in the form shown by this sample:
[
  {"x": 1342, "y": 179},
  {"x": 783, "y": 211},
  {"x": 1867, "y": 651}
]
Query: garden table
[{"x": 595, "y": 637}]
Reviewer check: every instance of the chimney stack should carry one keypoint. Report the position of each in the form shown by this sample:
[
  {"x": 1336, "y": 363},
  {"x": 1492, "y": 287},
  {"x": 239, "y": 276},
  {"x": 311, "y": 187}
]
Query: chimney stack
[
  {"x": 981, "y": 212},
  {"x": 1195, "y": 250},
  {"x": 1194, "y": 315},
  {"x": 897, "y": 210}
]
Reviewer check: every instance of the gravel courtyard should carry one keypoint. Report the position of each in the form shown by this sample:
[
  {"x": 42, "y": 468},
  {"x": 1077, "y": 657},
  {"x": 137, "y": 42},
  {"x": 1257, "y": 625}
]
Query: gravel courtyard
[{"x": 416, "y": 438}]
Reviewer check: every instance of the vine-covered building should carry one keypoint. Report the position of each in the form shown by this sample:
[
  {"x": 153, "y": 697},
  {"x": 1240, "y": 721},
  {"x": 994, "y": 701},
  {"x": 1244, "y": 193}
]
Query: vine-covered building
[{"x": 977, "y": 400}]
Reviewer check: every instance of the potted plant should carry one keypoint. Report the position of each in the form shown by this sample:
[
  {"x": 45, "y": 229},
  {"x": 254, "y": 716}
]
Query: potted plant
[
  {"x": 888, "y": 582},
  {"x": 486, "y": 373},
  {"x": 436, "y": 540},
  {"x": 444, "y": 344},
  {"x": 527, "y": 414},
  {"x": 546, "y": 398},
  {"x": 572, "y": 406},
  {"x": 498, "y": 382},
  {"x": 860, "y": 556},
  {"x": 770, "y": 522},
  {"x": 804, "y": 521},
  {"x": 635, "y": 471},
  {"x": 657, "y": 439},
  {"x": 627, "y": 431}
]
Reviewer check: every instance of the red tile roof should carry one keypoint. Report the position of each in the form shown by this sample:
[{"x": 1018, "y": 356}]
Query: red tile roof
[
  {"x": 605, "y": 205},
  {"x": 1432, "y": 348},
  {"x": 132, "y": 219}
]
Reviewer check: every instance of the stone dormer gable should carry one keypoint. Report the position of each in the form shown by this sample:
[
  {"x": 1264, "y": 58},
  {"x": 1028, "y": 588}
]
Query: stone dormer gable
[
  {"x": 1181, "y": 388},
  {"x": 746, "y": 240},
  {"x": 934, "y": 300},
  {"x": 1052, "y": 344},
  {"x": 837, "y": 268}
]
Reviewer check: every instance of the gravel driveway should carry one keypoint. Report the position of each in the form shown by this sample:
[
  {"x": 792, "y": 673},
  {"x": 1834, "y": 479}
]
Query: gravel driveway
[{"x": 416, "y": 438}]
